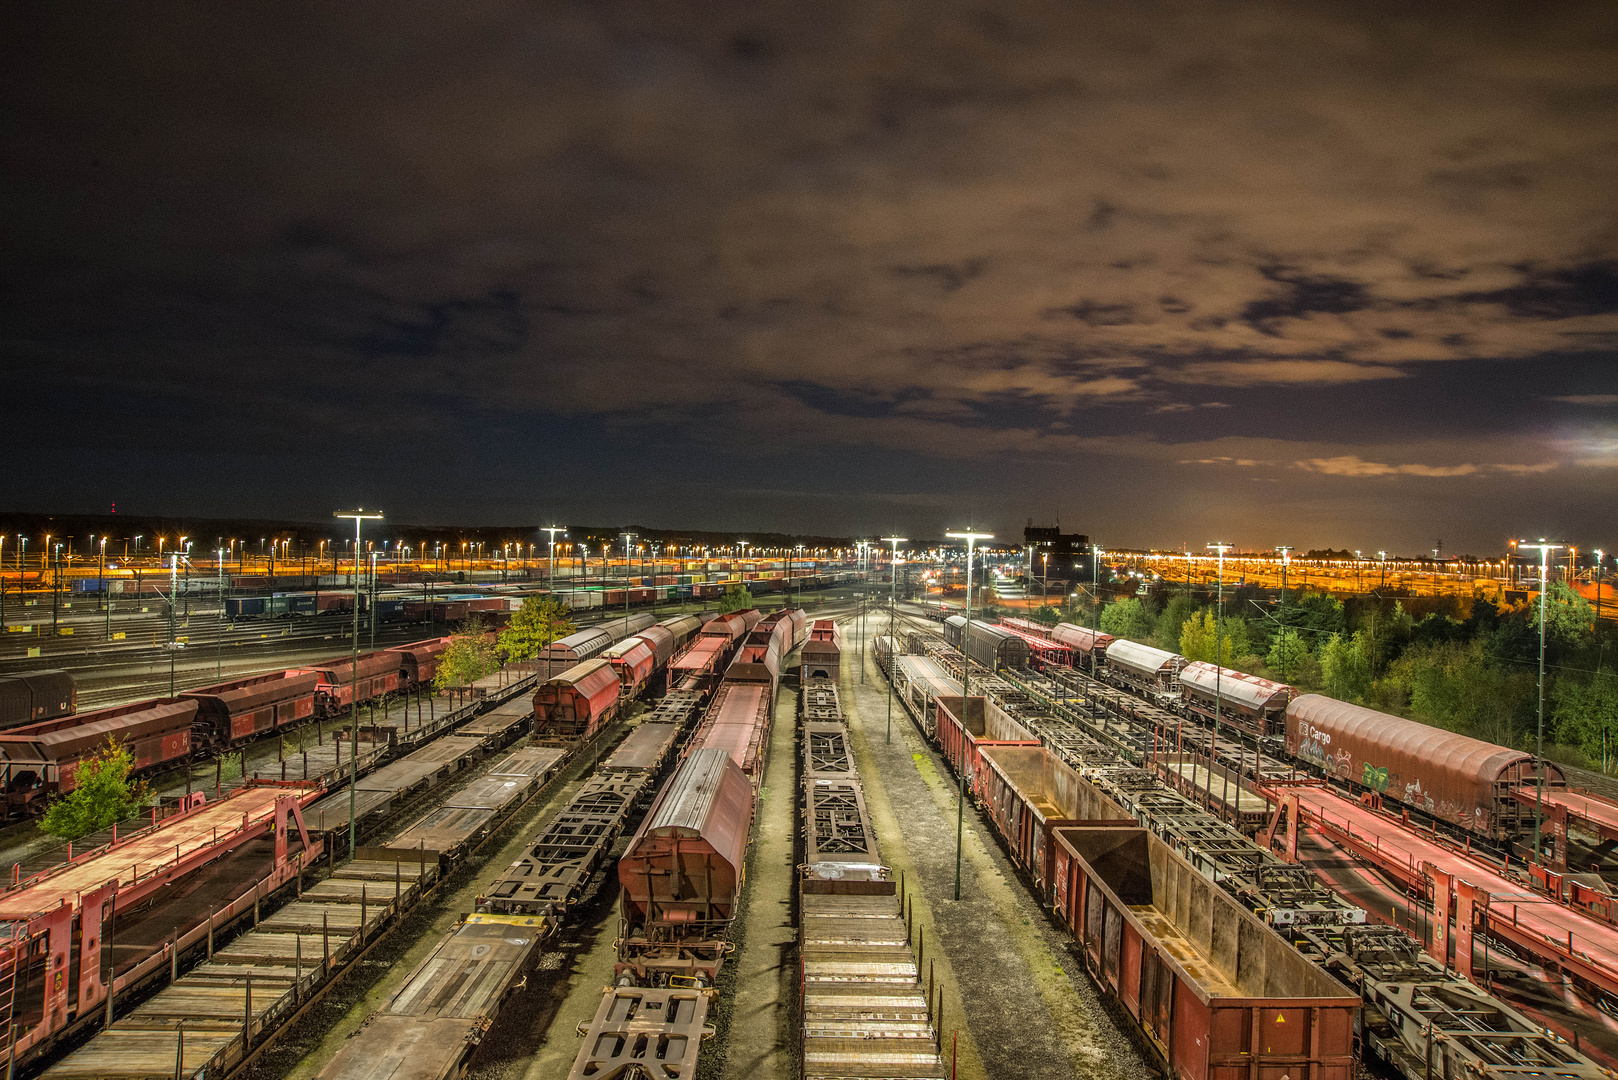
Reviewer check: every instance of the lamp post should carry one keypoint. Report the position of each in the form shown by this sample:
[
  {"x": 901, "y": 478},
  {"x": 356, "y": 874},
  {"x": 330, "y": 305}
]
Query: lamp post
[
  {"x": 1599, "y": 554},
  {"x": 359, "y": 516},
  {"x": 626, "y": 538},
  {"x": 1219, "y": 669},
  {"x": 893, "y": 575},
  {"x": 1545, "y": 550},
  {"x": 971, "y": 539}
]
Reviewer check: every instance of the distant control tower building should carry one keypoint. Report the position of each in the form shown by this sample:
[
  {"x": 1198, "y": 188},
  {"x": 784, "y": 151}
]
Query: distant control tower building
[{"x": 1069, "y": 552}]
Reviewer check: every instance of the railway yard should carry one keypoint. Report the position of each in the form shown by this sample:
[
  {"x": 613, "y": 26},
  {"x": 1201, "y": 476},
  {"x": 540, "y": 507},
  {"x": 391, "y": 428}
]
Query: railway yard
[{"x": 817, "y": 842}]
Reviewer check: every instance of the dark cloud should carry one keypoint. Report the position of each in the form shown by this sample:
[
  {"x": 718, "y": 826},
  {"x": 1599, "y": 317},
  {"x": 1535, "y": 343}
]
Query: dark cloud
[{"x": 526, "y": 258}]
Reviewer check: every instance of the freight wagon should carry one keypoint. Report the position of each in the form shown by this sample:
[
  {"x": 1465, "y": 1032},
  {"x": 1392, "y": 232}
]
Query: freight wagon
[
  {"x": 345, "y": 679},
  {"x": 992, "y": 646},
  {"x": 1151, "y": 671},
  {"x": 42, "y": 759},
  {"x": 576, "y": 704},
  {"x": 1256, "y": 706},
  {"x": 1219, "y": 994},
  {"x": 231, "y": 711},
  {"x": 919, "y": 681},
  {"x": 37, "y": 695},
  {"x": 822, "y": 652},
  {"x": 1090, "y": 645},
  {"x": 1456, "y": 779},
  {"x": 964, "y": 725}
]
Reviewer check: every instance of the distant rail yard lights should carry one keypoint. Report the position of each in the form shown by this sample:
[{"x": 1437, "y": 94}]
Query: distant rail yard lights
[
  {"x": 360, "y": 517},
  {"x": 1219, "y": 670},
  {"x": 893, "y": 577},
  {"x": 1545, "y": 549},
  {"x": 971, "y": 539}
]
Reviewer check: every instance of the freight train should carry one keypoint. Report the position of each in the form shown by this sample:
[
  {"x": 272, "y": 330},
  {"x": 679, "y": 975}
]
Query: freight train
[
  {"x": 1463, "y": 782},
  {"x": 1225, "y": 957}
]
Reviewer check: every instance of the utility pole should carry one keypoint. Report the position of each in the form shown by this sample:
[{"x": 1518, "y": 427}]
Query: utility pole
[
  {"x": 1219, "y": 670},
  {"x": 359, "y": 517},
  {"x": 893, "y": 576},
  {"x": 1545, "y": 550},
  {"x": 971, "y": 539}
]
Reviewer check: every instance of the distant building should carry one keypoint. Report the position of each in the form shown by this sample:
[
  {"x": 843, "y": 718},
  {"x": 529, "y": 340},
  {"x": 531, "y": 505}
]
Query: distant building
[{"x": 1069, "y": 552}]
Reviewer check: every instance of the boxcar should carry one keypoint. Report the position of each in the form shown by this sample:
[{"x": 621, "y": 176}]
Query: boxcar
[
  {"x": 36, "y": 695},
  {"x": 1219, "y": 994},
  {"x": 1453, "y": 778},
  {"x": 992, "y": 646},
  {"x": 575, "y": 704}
]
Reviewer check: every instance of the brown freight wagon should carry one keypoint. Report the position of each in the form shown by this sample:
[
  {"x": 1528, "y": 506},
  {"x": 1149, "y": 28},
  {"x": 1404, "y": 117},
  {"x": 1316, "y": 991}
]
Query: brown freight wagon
[
  {"x": 1029, "y": 793},
  {"x": 982, "y": 727},
  {"x": 1219, "y": 995}
]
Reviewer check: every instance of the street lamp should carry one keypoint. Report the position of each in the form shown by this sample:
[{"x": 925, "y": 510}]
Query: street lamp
[
  {"x": 1545, "y": 550},
  {"x": 1599, "y": 554},
  {"x": 1219, "y": 669},
  {"x": 359, "y": 516},
  {"x": 971, "y": 539},
  {"x": 893, "y": 576}
]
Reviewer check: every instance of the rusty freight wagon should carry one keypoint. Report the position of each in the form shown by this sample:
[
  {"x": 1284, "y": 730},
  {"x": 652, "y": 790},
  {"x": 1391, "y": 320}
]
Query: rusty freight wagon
[
  {"x": 965, "y": 724},
  {"x": 1254, "y": 705},
  {"x": 576, "y": 704},
  {"x": 633, "y": 659},
  {"x": 1450, "y": 777},
  {"x": 344, "y": 680},
  {"x": 419, "y": 659},
  {"x": 42, "y": 759},
  {"x": 682, "y": 874},
  {"x": 231, "y": 711},
  {"x": 1218, "y": 994},
  {"x": 1089, "y": 646},
  {"x": 822, "y": 653},
  {"x": 1029, "y": 793}
]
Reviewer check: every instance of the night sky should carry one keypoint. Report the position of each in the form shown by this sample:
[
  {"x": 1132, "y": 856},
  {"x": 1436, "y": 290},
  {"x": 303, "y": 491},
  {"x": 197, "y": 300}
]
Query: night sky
[{"x": 1312, "y": 274}]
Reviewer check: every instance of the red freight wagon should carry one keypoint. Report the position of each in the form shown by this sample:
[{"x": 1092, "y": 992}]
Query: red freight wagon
[
  {"x": 1220, "y": 995},
  {"x": 682, "y": 874},
  {"x": 235, "y": 710},
  {"x": 960, "y": 742},
  {"x": 43, "y": 759},
  {"x": 1029, "y": 793},
  {"x": 378, "y": 673},
  {"x": 738, "y": 722},
  {"x": 576, "y": 704},
  {"x": 632, "y": 659},
  {"x": 419, "y": 659},
  {"x": 732, "y": 626},
  {"x": 822, "y": 652}
]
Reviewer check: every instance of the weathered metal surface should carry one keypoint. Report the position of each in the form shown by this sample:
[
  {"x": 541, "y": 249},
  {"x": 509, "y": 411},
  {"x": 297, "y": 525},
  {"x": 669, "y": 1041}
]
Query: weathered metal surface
[
  {"x": 645, "y": 748},
  {"x": 1454, "y": 778},
  {"x": 472, "y": 969},
  {"x": 699, "y": 827},
  {"x": 499, "y": 722},
  {"x": 737, "y": 722},
  {"x": 1212, "y": 987},
  {"x": 406, "y": 1048},
  {"x": 644, "y": 1032},
  {"x": 577, "y": 702},
  {"x": 1028, "y": 793},
  {"x": 991, "y": 646},
  {"x": 1155, "y": 666}
]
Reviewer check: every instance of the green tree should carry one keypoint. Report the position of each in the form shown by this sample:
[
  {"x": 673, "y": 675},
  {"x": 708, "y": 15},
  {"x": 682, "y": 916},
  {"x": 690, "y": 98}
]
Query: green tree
[
  {"x": 1459, "y": 687},
  {"x": 1586, "y": 714},
  {"x": 1200, "y": 639},
  {"x": 1317, "y": 613},
  {"x": 469, "y": 657},
  {"x": 1047, "y": 615},
  {"x": 101, "y": 795},
  {"x": 1169, "y": 624},
  {"x": 1127, "y": 619},
  {"x": 1291, "y": 661},
  {"x": 1568, "y": 617},
  {"x": 736, "y": 598},
  {"x": 1345, "y": 666},
  {"x": 540, "y": 621}
]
